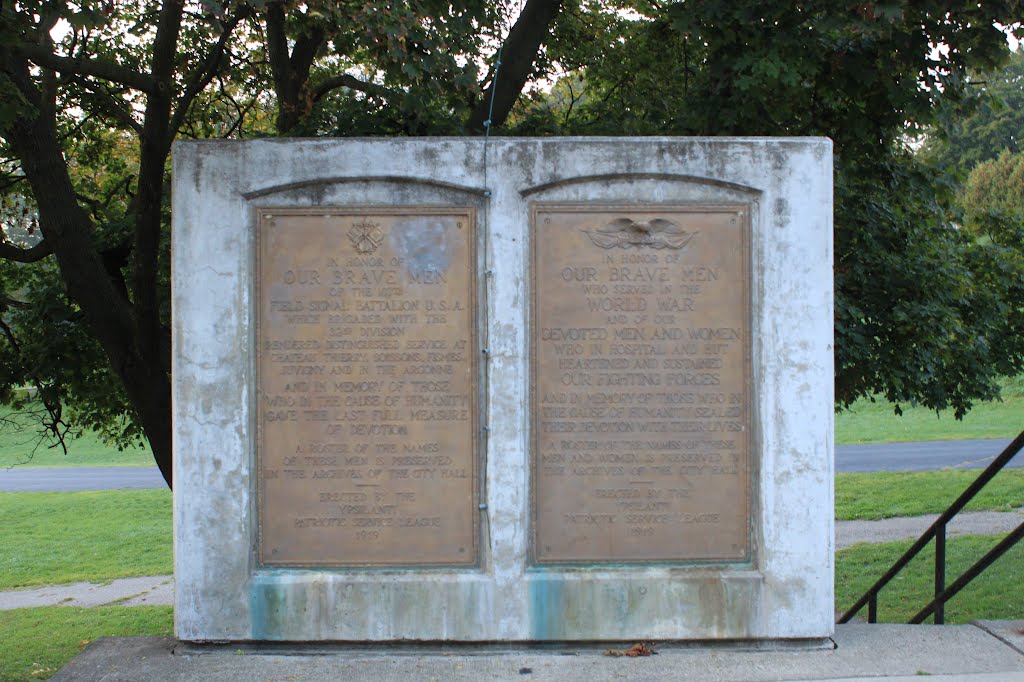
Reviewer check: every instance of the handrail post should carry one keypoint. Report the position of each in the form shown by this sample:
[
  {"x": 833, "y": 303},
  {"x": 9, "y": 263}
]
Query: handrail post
[
  {"x": 971, "y": 573},
  {"x": 873, "y": 608},
  {"x": 940, "y": 573}
]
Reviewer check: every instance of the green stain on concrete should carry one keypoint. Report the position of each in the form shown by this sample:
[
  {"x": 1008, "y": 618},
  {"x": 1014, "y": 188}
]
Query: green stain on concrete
[{"x": 548, "y": 609}]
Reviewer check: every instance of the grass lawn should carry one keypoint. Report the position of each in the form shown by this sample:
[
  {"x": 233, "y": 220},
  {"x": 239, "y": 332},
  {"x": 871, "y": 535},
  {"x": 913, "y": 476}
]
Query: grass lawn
[
  {"x": 53, "y": 538},
  {"x": 36, "y": 643},
  {"x": 883, "y": 495},
  {"x": 868, "y": 422},
  {"x": 20, "y": 446},
  {"x": 998, "y": 593}
]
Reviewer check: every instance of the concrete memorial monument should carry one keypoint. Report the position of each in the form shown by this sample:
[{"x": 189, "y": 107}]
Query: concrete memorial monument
[{"x": 582, "y": 393}]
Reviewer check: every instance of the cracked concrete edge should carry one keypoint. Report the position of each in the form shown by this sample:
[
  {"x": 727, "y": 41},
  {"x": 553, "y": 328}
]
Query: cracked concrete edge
[
  {"x": 958, "y": 677},
  {"x": 1009, "y": 632}
]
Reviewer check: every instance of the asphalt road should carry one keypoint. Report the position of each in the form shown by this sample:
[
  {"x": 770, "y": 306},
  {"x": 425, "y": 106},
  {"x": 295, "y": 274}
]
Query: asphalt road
[
  {"x": 955, "y": 454},
  {"x": 62, "y": 479},
  {"x": 942, "y": 454}
]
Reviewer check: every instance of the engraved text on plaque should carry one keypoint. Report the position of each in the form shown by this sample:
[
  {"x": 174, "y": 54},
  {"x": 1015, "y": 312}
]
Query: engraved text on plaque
[
  {"x": 641, "y": 383},
  {"x": 366, "y": 387}
]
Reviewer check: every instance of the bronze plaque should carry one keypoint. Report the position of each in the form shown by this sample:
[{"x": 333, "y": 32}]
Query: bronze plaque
[
  {"x": 366, "y": 384},
  {"x": 641, "y": 383}
]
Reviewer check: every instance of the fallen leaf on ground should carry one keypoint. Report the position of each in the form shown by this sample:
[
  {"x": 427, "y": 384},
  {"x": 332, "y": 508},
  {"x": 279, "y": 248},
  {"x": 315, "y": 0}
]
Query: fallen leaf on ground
[{"x": 638, "y": 649}]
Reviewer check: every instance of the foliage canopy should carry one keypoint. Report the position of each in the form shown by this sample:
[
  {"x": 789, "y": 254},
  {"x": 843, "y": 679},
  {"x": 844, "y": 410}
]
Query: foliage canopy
[
  {"x": 997, "y": 185},
  {"x": 93, "y": 94},
  {"x": 986, "y": 121},
  {"x": 922, "y": 307}
]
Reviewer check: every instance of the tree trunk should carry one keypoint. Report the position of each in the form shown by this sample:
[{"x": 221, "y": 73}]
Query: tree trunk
[
  {"x": 518, "y": 54},
  {"x": 155, "y": 414},
  {"x": 290, "y": 71},
  {"x": 68, "y": 230}
]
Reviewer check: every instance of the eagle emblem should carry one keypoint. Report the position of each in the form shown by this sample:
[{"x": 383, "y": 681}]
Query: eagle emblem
[{"x": 625, "y": 233}]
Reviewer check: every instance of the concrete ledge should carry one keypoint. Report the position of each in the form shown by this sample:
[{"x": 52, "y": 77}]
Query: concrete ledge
[{"x": 895, "y": 652}]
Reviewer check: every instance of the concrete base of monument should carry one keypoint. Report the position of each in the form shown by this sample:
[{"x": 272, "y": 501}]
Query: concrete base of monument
[
  {"x": 983, "y": 652},
  {"x": 648, "y": 603},
  {"x": 628, "y": 649}
]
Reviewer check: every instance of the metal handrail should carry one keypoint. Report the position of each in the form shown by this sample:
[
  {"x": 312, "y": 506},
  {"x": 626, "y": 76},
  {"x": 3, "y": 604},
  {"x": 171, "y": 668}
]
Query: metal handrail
[
  {"x": 970, "y": 574},
  {"x": 938, "y": 531}
]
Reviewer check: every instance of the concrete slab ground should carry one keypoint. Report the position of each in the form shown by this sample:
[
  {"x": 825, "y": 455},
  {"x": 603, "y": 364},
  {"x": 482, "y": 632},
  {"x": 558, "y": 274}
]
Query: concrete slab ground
[
  {"x": 1011, "y": 632},
  {"x": 897, "y": 653}
]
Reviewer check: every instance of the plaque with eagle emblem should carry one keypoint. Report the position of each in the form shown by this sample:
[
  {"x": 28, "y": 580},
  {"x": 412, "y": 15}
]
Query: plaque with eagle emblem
[{"x": 640, "y": 393}]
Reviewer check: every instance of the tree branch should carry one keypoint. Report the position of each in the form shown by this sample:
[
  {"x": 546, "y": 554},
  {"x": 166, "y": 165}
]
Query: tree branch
[
  {"x": 149, "y": 388},
  {"x": 8, "y": 181},
  {"x": 86, "y": 67},
  {"x": 105, "y": 102},
  {"x": 56, "y": 426},
  {"x": 519, "y": 52},
  {"x": 277, "y": 47},
  {"x": 19, "y": 255},
  {"x": 124, "y": 184},
  {"x": 202, "y": 77},
  {"x": 240, "y": 111},
  {"x": 351, "y": 82},
  {"x": 114, "y": 259},
  {"x": 6, "y": 303},
  {"x": 305, "y": 50},
  {"x": 290, "y": 71},
  {"x": 153, "y": 150}
]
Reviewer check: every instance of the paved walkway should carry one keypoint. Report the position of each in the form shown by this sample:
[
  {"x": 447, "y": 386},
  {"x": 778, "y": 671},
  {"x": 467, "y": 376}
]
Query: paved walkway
[
  {"x": 146, "y": 591},
  {"x": 911, "y": 527},
  {"x": 922, "y": 456},
  {"x": 68, "y": 479}
]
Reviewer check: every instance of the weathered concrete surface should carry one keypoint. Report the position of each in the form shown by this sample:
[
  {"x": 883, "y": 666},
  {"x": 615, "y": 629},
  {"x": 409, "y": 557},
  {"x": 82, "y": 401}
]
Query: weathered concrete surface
[
  {"x": 898, "y": 653},
  {"x": 785, "y": 591}
]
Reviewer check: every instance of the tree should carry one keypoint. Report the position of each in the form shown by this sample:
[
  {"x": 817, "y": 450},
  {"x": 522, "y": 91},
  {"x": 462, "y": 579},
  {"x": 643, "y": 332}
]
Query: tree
[
  {"x": 87, "y": 119},
  {"x": 986, "y": 121},
  {"x": 93, "y": 94},
  {"x": 912, "y": 322},
  {"x": 996, "y": 185}
]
